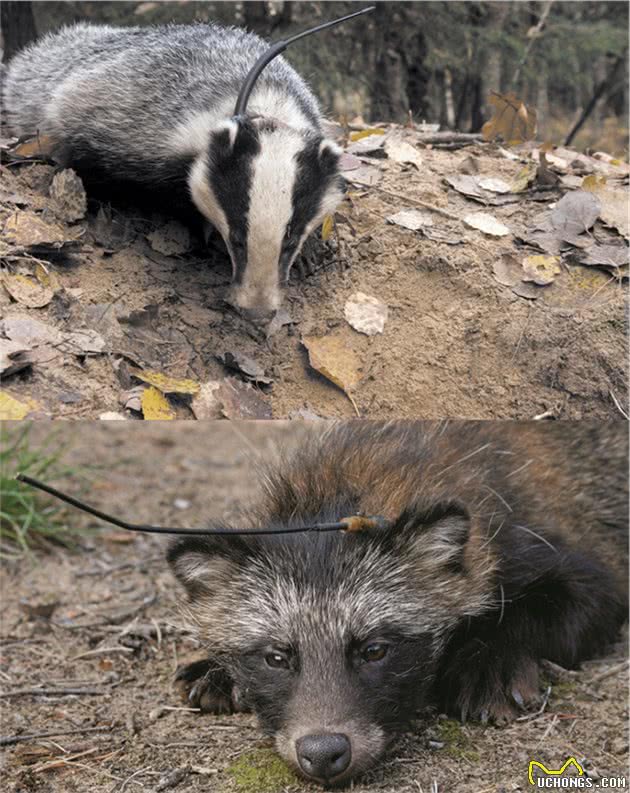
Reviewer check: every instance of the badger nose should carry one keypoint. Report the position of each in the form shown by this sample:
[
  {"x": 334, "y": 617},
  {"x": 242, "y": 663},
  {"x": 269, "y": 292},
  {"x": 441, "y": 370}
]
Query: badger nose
[{"x": 323, "y": 756}]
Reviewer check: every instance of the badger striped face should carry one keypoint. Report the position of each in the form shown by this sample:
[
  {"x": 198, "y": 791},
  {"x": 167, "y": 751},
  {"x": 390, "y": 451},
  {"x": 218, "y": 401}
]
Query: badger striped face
[{"x": 265, "y": 187}]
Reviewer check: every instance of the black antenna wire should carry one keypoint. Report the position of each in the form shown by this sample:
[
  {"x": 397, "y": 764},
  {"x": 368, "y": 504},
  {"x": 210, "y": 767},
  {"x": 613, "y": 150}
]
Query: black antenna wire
[
  {"x": 352, "y": 524},
  {"x": 275, "y": 50}
]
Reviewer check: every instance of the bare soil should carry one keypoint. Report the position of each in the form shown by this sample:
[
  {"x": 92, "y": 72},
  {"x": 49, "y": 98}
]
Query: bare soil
[
  {"x": 115, "y": 632},
  {"x": 457, "y": 343}
]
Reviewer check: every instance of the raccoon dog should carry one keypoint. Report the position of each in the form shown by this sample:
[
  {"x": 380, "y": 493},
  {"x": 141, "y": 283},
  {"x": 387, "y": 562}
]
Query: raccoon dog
[{"x": 506, "y": 544}]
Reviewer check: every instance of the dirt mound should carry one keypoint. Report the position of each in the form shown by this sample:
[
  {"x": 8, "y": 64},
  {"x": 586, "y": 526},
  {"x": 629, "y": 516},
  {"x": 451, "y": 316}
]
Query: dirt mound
[{"x": 520, "y": 319}]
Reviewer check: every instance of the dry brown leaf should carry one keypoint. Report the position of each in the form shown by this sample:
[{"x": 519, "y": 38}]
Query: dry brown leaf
[
  {"x": 512, "y": 121},
  {"x": 155, "y": 406},
  {"x": 28, "y": 230},
  {"x": 365, "y": 313},
  {"x": 411, "y": 219},
  {"x": 330, "y": 356},
  {"x": 68, "y": 195},
  {"x": 614, "y": 203},
  {"x": 27, "y": 291},
  {"x": 365, "y": 133},
  {"x": 34, "y": 148},
  {"x": 507, "y": 270},
  {"x": 486, "y": 223}
]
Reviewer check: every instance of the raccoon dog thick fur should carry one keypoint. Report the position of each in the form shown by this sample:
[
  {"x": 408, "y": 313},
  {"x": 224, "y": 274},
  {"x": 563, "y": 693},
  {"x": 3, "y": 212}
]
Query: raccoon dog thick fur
[
  {"x": 154, "y": 106},
  {"x": 507, "y": 545}
]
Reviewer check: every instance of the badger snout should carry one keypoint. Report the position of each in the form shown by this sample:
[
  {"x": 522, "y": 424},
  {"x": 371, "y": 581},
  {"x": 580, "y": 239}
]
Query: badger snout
[
  {"x": 325, "y": 756},
  {"x": 258, "y": 305}
]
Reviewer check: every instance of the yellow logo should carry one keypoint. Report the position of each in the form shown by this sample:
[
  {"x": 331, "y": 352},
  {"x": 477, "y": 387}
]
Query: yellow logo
[{"x": 535, "y": 764}]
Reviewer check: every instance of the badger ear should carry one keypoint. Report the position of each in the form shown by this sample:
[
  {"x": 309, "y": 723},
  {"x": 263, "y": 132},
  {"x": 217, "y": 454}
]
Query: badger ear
[
  {"x": 204, "y": 564},
  {"x": 224, "y": 137},
  {"x": 234, "y": 137},
  {"x": 436, "y": 537},
  {"x": 329, "y": 154}
]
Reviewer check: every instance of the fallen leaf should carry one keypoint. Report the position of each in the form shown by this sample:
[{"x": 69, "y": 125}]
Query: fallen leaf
[
  {"x": 330, "y": 356},
  {"x": 327, "y": 227},
  {"x": 364, "y": 133},
  {"x": 494, "y": 184},
  {"x": 507, "y": 270},
  {"x": 12, "y": 409},
  {"x": 512, "y": 121},
  {"x": 575, "y": 213},
  {"x": 14, "y": 356},
  {"x": 524, "y": 178},
  {"x": 367, "y": 175},
  {"x": 155, "y": 406},
  {"x": 27, "y": 291},
  {"x": 368, "y": 146},
  {"x": 164, "y": 383},
  {"x": 411, "y": 219},
  {"x": 242, "y": 401},
  {"x": 132, "y": 398},
  {"x": 614, "y": 204},
  {"x": 29, "y": 331},
  {"x": 527, "y": 290},
  {"x": 440, "y": 235},
  {"x": 606, "y": 256},
  {"x": 279, "y": 320},
  {"x": 112, "y": 231},
  {"x": 348, "y": 162},
  {"x": 541, "y": 270},
  {"x": 402, "y": 152},
  {"x": 487, "y": 224},
  {"x": 68, "y": 195},
  {"x": 111, "y": 415},
  {"x": 207, "y": 404},
  {"x": 40, "y": 147},
  {"x": 246, "y": 366},
  {"x": 466, "y": 185},
  {"x": 171, "y": 239},
  {"x": 28, "y": 230},
  {"x": 82, "y": 342},
  {"x": 365, "y": 313}
]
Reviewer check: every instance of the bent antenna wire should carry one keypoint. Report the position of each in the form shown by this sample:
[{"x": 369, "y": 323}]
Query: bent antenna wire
[
  {"x": 353, "y": 524},
  {"x": 274, "y": 51}
]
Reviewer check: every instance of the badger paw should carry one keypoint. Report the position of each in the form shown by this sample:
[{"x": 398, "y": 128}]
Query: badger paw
[{"x": 201, "y": 685}]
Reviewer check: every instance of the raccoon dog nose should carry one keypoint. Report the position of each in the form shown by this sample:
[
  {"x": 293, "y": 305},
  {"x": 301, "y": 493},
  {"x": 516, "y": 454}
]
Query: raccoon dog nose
[{"x": 323, "y": 756}]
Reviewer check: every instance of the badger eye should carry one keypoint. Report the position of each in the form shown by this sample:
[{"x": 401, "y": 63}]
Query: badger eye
[
  {"x": 374, "y": 652},
  {"x": 277, "y": 660}
]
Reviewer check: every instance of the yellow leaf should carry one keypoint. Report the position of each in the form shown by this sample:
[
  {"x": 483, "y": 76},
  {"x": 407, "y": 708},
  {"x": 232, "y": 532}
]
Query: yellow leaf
[
  {"x": 512, "y": 121},
  {"x": 12, "y": 409},
  {"x": 327, "y": 227},
  {"x": 541, "y": 270},
  {"x": 41, "y": 146},
  {"x": 523, "y": 178},
  {"x": 166, "y": 384},
  {"x": 155, "y": 406},
  {"x": 593, "y": 182},
  {"x": 364, "y": 133},
  {"x": 26, "y": 291}
]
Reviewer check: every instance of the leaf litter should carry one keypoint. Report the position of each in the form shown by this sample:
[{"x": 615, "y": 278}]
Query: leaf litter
[{"x": 84, "y": 314}]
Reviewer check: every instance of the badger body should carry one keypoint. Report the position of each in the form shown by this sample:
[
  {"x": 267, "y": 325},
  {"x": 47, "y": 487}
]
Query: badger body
[
  {"x": 153, "y": 106},
  {"x": 505, "y": 544}
]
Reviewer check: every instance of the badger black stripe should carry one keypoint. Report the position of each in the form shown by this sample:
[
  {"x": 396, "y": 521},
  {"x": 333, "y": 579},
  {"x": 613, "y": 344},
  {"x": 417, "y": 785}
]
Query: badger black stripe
[
  {"x": 230, "y": 176},
  {"x": 314, "y": 176}
]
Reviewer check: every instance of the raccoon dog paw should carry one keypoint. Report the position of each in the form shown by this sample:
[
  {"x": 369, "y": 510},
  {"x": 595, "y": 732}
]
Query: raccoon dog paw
[
  {"x": 202, "y": 685},
  {"x": 488, "y": 693}
]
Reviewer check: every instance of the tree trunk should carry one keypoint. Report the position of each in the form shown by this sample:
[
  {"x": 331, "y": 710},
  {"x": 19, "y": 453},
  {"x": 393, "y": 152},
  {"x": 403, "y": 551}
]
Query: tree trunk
[{"x": 17, "y": 25}]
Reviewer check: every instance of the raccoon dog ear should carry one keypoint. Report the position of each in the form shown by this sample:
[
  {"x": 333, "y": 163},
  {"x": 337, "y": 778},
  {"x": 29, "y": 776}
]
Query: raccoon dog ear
[
  {"x": 439, "y": 534},
  {"x": 205, "y": 564}
]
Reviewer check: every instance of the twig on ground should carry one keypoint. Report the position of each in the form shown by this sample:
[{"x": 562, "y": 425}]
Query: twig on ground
[
  {"x": 51, "y": 692},
  {"x": 422, "y": 204},
  {"x": 9, "y": 740},
  {"x": 608, "y": 673},
  {"x": 541, "y": 709}
]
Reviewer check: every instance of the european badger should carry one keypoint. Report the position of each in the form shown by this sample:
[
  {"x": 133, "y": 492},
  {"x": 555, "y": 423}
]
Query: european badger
[
  {"x": 155, "y": 106},
  {"x": 507, "y": 545}
]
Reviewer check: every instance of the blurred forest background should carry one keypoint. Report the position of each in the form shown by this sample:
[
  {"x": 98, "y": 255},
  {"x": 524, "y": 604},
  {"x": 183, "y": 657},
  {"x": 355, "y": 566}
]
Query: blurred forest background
[{"x": 437, "y": 61}]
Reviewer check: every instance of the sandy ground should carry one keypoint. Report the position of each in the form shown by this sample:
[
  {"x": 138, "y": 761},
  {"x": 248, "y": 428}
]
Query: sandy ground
[
  {"x": 116, "y": 636},
  {"x": 456, "y": 343}
]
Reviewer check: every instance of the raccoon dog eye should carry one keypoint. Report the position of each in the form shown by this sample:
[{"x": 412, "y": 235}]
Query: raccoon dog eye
[
  {"x": 277, "y": 660},
  {"x": 375, "y": 651}
]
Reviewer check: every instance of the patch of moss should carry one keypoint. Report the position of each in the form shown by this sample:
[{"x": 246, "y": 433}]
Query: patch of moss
[
  {"x": 564, "y": 690},
  {"x": 261, "y": 771},
  {"x": 458, "y": 744}
]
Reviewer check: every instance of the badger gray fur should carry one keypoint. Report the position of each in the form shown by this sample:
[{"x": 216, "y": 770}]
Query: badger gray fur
[
  {"x": 507, "y": 545},
  {"x": 154, "y": 106}
]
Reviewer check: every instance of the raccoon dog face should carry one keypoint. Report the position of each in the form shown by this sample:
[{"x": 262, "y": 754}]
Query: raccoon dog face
[
  {"x": 333, "y": 640},
  {"x": 265, "y": 187}
]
